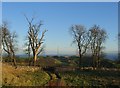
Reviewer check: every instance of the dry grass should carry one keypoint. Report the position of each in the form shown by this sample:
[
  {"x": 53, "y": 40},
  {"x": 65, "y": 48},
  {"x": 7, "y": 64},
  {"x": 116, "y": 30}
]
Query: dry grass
[
  {"x": 0, "y": 74},
  {"x": 23, "y": 76}
]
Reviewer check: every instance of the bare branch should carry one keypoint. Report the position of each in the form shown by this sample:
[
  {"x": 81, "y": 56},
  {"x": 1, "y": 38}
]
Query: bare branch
[
  {"x": 34, "y": 40},
  {"x": 81, "y": 38}
]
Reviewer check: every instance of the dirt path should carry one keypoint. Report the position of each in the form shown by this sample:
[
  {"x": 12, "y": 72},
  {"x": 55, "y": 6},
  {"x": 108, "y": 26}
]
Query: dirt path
[{"x": 55, "y": 80}]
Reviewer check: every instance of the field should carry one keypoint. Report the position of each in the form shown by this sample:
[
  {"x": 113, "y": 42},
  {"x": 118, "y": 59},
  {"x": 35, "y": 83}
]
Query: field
[
  {"x": 53, "y": 72},
  {"x": 92, "y": 78}
]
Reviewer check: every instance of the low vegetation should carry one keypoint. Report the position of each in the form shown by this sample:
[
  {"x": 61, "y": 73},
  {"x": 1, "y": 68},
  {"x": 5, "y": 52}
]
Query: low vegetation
[
  {"x": 23, "y": 76},
  {"x": 91, "y": 78},
  {"x": 51, "y": 71}
]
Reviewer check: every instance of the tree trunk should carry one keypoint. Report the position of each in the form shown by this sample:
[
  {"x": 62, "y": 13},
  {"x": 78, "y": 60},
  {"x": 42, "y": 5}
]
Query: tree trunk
[
  {"x": 14, "y": 61},
  {"x": 80, "y": 57},
  {"x": 99, "y": 60},
  {"x": 11, "y": 59},
  {"x": 94, "y": 61},
  {"x": 34, "y": 58}
]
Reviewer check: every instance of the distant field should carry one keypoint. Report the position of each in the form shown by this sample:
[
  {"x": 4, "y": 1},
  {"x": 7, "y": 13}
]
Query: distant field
[{"x": 111, "y": 56}]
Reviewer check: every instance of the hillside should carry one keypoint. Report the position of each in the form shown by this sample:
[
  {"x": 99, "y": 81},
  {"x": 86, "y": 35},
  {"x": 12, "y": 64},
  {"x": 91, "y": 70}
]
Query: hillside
[
  {"x": 23, "y": 76},
  {"x": 59, "y": 72}
]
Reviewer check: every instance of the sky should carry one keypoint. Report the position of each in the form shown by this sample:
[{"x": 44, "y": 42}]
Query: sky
[
  {"x": 60, "y": 0},
  {"x": 58, "y": 17}
]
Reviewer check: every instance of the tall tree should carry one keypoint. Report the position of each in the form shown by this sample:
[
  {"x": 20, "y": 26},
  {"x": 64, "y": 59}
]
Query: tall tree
[
  {"x": 34, "y": 40},
  {"x": 9, "y": 42},
  {"x": 82, "y": 39},
  {"x": 98, "y": 37}
]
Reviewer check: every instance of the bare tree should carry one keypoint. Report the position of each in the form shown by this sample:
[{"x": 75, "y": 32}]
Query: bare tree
[
  {"x": 34, "y": 40},
  {"x": 81, "y": 37},
  {"x": 98, "y": 37},
  {"x": 9, "y": 42}
]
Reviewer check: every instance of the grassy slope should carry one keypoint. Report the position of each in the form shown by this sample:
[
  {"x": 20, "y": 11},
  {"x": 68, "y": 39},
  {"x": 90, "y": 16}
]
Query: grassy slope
[
  {"x": 23, "y": 76},
  {"x": 27, "y": 76},
  {"x": 92, "y": 78}
]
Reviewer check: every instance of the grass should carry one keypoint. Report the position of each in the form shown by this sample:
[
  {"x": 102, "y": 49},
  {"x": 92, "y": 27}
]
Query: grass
[
  {"x": 24, "y": 77},
  {"x": 91, "y": 78}
]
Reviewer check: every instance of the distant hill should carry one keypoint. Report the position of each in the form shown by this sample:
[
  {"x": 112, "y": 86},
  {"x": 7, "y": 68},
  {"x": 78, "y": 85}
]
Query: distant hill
[{"x": 111, "y": 56}]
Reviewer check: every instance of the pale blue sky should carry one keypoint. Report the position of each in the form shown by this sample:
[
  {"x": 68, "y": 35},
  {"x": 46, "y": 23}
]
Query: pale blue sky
[
  {"x": 59, "y": 0},
  {"x": 58, "y": 18}
]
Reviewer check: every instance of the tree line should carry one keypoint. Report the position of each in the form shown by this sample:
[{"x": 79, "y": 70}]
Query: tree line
[
  {"x": 33, "y": 44},
  {"x": 92, "y": 40}
]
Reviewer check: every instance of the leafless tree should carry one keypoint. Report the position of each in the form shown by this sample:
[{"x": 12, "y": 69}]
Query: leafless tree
[
  {"x": 98, "y": 37},
  {"x": 81, "y": 37},
  {"x": 9, "y": 42},
  {"x": 34, "y": 40}
]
